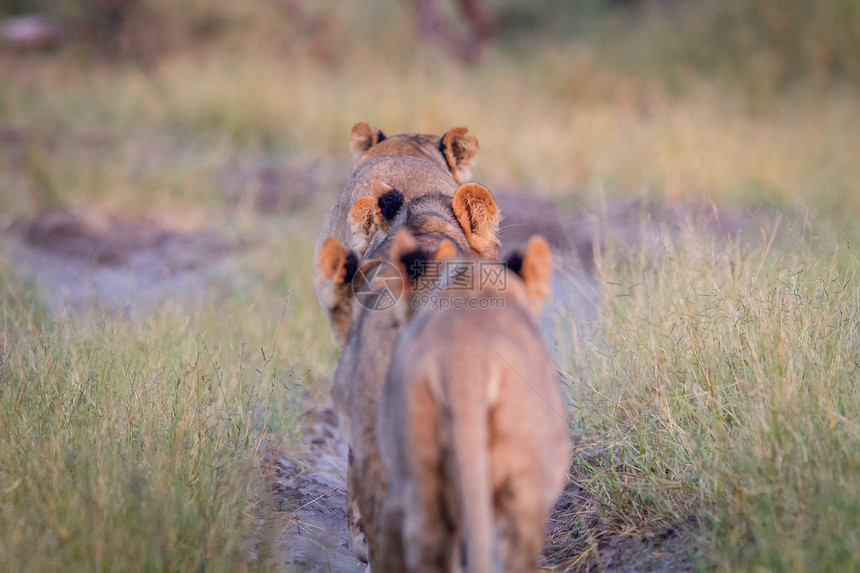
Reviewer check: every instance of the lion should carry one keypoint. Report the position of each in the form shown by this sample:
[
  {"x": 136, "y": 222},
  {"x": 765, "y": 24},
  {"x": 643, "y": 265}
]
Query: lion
[
  {"x": 414, "y": 164},
  {"x": 471, "y": 424},
  {"x": 465, "y": 223},
  {"x": 469, "y": 219}
]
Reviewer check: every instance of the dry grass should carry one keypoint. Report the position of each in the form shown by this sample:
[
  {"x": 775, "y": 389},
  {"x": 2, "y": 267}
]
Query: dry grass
[{"x": 721, "y": 383}]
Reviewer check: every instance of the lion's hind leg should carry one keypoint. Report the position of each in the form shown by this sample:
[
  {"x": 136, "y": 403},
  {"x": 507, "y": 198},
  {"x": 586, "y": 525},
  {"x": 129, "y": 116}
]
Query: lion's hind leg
[
  {"x": 429, "y": 526},
  {"x": 357, "y": 537}
]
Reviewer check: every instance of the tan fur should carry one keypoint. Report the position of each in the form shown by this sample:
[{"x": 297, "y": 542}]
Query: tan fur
[
  {"x": 460, "y": 150},
  {"x": 472, "y": 432},
  {"x": 364, "y": 137},
  {"x": 476, "y": 213},
  {"x": 404, "y": 242},
  {"x": 380, "y": 188},
  {"x": 333, "y": 266},
  {"x": 446, "y": 251},
  {"x": 361, "y": 223},
  {"x": 332, "y": 261},
  {"x": 432, "y": 217},
  {"x": 414, "y": 164},
  {"x": 426, "y": 223},
  {"x": 536, "y": 271}
]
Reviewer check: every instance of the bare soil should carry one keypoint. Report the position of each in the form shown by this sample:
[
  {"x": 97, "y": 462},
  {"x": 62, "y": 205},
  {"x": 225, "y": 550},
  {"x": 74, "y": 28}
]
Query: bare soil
[
  {"x": 74, "y": 262},
  {"x": 580, "y": 539},
  {"x": 310, "y": 482}
]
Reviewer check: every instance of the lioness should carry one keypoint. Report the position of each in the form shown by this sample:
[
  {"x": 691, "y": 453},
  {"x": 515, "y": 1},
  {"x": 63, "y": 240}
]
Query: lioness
[
  {"x": 469, "y": 218},
  {"x": 471, "y": 424},
  {"x": 466, "y": 222},
  {"x": 414, "y": 164}
]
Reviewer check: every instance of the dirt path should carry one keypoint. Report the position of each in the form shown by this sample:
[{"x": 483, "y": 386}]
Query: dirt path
[
  {"x": 315, "y": 486},
  {"x": 311, "y": 482}
]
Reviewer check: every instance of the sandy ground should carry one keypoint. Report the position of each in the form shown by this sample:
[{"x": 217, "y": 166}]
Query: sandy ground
[
  {"x": 133, "y": 265},
  {"x": 311, "y": 481}
]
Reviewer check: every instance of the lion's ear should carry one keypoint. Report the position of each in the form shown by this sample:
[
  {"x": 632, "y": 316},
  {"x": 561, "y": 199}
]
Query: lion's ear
[
  {"x": 534, "y": 266},
  {"x": 459, "y": 150},
  {"x": 364, "y": 137},
  {"x": 338, "y": 264},
  {"x": 387, "y": 204},
  {"x": 412, "y": 263},
  {"x": 408, "y": 257},
  {"x": 361, "y": 224},
  {"x": 478, "y": 215}
]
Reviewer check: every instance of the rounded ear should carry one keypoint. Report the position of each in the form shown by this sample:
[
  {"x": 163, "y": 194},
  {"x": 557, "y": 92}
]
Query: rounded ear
[
  {"x": 534, "y": 266},
  {"x": 337, "y": 262},
  {"x": 478, "y": 215},
  {"x": 361, "y": 224},
  {"x": 412, "y": 263},
  {"x": 387, "y": 204},
  {"x": 405, "y": 253},
  {"x": 459, "y": 150},
  {"x": 364, "y": 137}
]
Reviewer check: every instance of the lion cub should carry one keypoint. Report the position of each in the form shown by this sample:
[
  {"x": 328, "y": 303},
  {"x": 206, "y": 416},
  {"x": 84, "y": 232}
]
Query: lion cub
[
  {"x": 413, "y": 164},
  {"x": 466, "y": 222},
  {"x": 471, "y": 424}
]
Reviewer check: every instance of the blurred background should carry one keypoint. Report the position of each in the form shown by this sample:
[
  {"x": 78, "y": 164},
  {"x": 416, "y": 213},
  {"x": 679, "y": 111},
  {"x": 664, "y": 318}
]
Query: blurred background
[{"x": 134, "y": 104}]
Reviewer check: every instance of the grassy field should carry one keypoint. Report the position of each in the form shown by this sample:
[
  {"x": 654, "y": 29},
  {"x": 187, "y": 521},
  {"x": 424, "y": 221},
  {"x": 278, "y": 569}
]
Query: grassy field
[
  {"x": 721, "y": 382},
  {"x": 724, "y": 385}
]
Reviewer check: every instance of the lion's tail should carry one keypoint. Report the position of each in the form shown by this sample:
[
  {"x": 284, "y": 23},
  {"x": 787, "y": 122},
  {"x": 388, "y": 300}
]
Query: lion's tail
[{"x": 473, "y": 480}]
